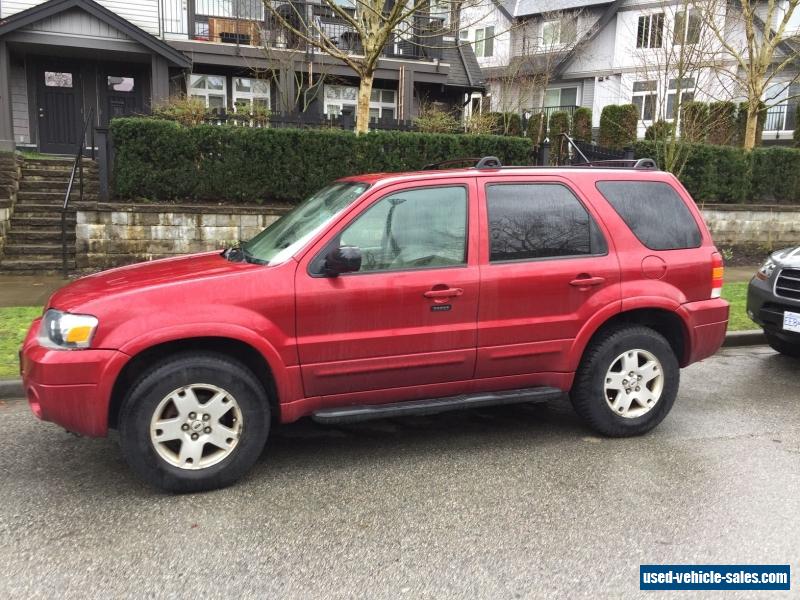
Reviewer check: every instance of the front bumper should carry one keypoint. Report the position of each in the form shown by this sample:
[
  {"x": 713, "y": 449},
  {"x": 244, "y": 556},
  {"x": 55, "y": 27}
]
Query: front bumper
[
  {"x": 69, "y": 387},
  {"x": 766, "y": 309}
]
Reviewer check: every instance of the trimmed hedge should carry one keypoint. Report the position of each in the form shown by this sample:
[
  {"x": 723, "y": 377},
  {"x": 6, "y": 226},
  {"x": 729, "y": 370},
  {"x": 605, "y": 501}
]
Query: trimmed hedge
[
  {"x": 559, "y": 124},
  {"x": 618, "y": 124},
  {"x": 162, "y": 160},
  {"x": 582, "y": 124},
  {"x": 797, "y": 126},
  {"x": 728, "y": 174},
  {"x": 694, "y": 121},
  {"x": 722, "y": 116}
]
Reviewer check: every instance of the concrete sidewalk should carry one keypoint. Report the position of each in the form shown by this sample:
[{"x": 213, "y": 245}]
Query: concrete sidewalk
[{"x": 28, "y": 290}]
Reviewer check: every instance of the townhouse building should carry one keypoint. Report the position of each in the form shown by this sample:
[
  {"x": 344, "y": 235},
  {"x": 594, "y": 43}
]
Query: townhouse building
[
  {"x": 549, "y": 55},
  {"x": 62, "y": 61}
]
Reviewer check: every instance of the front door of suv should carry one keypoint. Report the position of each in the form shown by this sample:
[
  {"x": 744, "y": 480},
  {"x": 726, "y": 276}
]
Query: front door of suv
[
  {"x": 408, "y": 316},
  {"x": 546, "y": 270}
]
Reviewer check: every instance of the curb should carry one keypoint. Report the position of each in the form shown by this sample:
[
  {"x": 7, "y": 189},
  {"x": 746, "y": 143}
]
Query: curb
[
  {"x": 751, "y": 337},
  {"x": 12, "y": 388}
]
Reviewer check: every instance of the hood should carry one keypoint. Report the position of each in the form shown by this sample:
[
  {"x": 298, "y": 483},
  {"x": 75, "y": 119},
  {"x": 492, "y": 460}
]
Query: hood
[
  {"x": 135, "y": 278},
  {"x": 789, "y": 257}
]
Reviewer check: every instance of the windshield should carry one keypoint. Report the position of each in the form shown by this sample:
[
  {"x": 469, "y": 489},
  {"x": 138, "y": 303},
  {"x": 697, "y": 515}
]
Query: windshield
[{"x": 286, "y": 235}]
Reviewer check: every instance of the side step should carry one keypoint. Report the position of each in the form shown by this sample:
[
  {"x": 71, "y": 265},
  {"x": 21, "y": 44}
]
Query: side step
[{"x": 352, "y": 414}]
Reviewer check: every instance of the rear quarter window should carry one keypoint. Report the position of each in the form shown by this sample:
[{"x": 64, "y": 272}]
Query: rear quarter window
[{"x": 654, "y": 212}]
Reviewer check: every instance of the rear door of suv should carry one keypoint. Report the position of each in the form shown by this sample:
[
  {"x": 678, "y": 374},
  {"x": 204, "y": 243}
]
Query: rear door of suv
[{"x": 547, "y": 266}]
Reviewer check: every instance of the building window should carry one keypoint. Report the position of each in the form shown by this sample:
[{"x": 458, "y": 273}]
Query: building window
[
  {"x": 338, "y": 98},
  {"x": 211, "y": 89},
  {"x": 558, "y": 32},
  {"x": 650, "y": 32},
  {"x": 687, "y": 87},
  {"x": 120, "y": 84},
  {"x": 561, "y": 97},
  {"x": 644, "y": 97},
  {"x": 62, "y": 80},
  {"x": 781, "y": 100},
  {"x": 248, "y": 92},
  {"x": 484, "y": 42},
  {"x": 687, "y": 31}
]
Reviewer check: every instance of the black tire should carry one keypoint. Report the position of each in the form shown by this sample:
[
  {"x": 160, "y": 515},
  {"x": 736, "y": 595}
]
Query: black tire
[
  {"x": 588, "y": 391},
  {"x": 782, "y": 346},
  {"x": 183, "y": 370}
]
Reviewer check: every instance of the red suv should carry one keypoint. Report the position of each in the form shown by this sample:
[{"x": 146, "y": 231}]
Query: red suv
[{"x": 386, "y": 295}]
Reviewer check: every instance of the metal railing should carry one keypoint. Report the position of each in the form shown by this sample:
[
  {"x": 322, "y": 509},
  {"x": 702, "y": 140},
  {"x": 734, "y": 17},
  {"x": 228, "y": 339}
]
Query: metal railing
[
  {"x": 780, "y": 117},
  {"x": 77, "y": 167},
  {"x": 249, "y": 23}
]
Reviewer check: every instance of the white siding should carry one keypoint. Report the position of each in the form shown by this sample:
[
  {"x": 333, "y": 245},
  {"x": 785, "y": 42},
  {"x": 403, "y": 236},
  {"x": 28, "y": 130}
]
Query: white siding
[
  {"x": 142, "y": 13},
  {"x": 19, "y": 103}
]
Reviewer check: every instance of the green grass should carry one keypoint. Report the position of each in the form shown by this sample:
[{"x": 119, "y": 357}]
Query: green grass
[
  {"x": 736, "y": 294},
  {"x": 14, "y": 323}
]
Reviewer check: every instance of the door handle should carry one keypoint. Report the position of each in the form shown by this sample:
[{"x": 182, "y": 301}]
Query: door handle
[
  {"x": 443, "y": 293},
  {"x": 583, "y": 281}
]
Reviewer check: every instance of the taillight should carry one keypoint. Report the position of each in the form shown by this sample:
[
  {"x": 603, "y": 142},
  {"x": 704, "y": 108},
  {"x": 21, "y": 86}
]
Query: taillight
[{"x": 717, "y": 274}]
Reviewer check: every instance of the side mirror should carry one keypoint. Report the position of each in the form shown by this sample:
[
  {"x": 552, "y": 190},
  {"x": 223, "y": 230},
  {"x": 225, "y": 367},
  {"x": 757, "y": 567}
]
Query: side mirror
[{"x": 342, "y": 259}]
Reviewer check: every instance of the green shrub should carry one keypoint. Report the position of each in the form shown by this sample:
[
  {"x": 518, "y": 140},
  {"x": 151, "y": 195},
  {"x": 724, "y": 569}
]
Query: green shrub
[
  {"x": 694, "y": 121},
  {"x": 183, "y": 109},
  {"x": 435, "y": 120},
  {"x": 559, "y": 124},
  {"x": 660, "y": 130},
  {"x": 506, "y": 123},
  {"x": 162, "y": 160},
  {"x": 728, "y": 174},
  {"x": 776, "y": 175},
  {"x": 582, "y": 124},
  {"x": 618, "y": 126},
  {"x": 536, "y": 131},
  {"x": 797, "y": 125},
  {"x": 721, "y": 120}
]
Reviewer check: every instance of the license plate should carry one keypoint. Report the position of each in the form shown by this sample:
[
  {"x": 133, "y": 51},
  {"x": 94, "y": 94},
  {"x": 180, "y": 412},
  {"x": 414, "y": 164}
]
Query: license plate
[{"x": 791, "y": 321}]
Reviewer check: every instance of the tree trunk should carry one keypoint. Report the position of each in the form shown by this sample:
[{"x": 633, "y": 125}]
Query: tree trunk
[
  {"x": 362, "y": 107},
  {"x": 751, "y": 128}
]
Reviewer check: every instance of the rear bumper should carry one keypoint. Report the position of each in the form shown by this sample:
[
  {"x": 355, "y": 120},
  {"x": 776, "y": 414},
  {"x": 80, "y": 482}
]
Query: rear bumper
[
  {"x": 69, "y": 387},
  {"x": 707, "y": 323}
]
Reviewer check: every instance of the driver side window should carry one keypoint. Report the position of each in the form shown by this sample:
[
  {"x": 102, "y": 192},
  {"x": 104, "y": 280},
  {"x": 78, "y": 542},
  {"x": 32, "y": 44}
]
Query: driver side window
[{"x": 418, "y": 228}]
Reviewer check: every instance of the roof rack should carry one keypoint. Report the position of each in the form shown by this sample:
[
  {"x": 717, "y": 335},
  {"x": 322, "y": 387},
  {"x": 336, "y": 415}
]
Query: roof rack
[
  {"x": 487, "y": 162},
  {"x": 631, "y": 163}
]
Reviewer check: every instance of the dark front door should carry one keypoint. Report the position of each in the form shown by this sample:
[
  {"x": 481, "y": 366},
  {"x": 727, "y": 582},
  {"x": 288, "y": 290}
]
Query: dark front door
[
  {"x": 121, "y": 92},
  {"x": 59, "y": 107}
]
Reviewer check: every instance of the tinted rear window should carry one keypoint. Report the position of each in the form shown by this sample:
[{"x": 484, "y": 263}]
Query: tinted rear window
[{"x": 654, "y": 212}]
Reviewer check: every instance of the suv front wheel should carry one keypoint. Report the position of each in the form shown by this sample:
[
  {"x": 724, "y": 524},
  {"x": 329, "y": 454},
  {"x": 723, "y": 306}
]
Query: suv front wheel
[
  {"x": 197, "y": 422},
  {"x": 627, "y": 381}
]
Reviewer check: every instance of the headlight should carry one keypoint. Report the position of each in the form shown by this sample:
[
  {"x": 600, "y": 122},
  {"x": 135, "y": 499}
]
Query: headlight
[
  {"x": 765, "y": 272},
  {"x": 65, "y": 331}
]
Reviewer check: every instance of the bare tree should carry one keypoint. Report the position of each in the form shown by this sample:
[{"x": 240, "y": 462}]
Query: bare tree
[{"x": 755, "y": 36}]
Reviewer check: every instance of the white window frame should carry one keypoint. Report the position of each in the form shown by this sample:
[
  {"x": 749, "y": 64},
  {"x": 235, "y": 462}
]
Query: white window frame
[
  {"x": 689, "y": 87},
  {"x": 482, "y": 35},
  {"x": 250, "y": 96},
  {"x": 683, "y": 39},
  {"x": 334, "y": 106},
  {"x": 204, "y": 93},
  {"x": 560, "y": 101},
  {"x": 644, "y": 94},
  {"x": 649, "y": 38}
]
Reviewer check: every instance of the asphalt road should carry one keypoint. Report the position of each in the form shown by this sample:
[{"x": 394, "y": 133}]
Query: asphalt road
[{"x": 517, "y": 502}]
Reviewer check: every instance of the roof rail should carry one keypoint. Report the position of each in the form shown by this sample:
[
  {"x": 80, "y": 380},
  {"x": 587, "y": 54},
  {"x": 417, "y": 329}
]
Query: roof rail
[
  {"x": 631, "y": 163},
  {"x": 487, "y": 162}
]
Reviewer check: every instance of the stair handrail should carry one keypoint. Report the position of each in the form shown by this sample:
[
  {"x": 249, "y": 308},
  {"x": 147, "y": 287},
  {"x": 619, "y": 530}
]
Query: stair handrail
[{"x": 77, "y": 167}]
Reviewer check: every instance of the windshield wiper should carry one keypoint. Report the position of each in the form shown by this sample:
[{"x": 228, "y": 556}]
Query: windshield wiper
[{"x": 237, "y": 253}]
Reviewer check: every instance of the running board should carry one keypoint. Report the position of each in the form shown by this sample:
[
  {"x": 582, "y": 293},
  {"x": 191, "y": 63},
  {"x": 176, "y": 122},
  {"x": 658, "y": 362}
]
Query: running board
[{"x": 352, "y": 414}]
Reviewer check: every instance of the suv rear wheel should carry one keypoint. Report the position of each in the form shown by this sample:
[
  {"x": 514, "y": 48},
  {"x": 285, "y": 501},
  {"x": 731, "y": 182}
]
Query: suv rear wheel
[
  {"x": 627, "y": 381},
  {"x": 198, "y": 422}
]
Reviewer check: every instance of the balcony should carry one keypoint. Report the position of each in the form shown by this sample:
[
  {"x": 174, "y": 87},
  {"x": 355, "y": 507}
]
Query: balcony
[
  {"x": 780, "y": 118},
  {"x": 249, "y": 23}
]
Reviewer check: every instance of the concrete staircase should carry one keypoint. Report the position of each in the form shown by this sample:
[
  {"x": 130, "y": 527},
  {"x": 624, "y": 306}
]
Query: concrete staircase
[{"x": 34, "y": 238}]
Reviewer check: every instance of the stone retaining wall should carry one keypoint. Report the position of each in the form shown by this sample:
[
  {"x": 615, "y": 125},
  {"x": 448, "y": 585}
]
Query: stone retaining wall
[
  {"x": 111, "y": 234},
  {"x": 9, "y": 185},
  {"x": 772, "y": 227}
]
